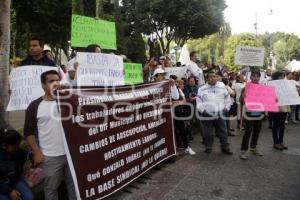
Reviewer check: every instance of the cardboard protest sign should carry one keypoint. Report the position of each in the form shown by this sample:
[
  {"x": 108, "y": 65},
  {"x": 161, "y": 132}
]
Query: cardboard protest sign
[
  {"x": 25, "y": 86},
  {"x": 249, "y": 56},
  {"x": 286, "y": 92},
  {"x": 260, "y": 98},
  {"x": 98, "y": 69},
  {"x": 133, "y": 73},
  {"x": 114, "y": 135},
  {"x": 88, "y": 30},
  {"x": 180, "y": 72}
]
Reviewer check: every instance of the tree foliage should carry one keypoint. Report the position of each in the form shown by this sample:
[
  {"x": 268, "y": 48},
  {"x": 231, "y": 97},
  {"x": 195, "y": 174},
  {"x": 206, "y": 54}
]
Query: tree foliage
[
  {"x": 211, "y": 47},
  {"x": 51, "y": 21},
  {"x": 287, "y": 48},
  {"x": 174, "y": 20}
]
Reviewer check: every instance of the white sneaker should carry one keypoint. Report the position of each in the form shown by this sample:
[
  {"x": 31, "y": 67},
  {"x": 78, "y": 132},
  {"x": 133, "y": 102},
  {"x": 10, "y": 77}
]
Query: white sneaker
[
  {"x": 256, "y": 152},
  {"x": 286, "y": 121},
  {"x": 190, "y": 151},
  {"x": 243, "y": 155},
  {"x": 295, "y": 121}
]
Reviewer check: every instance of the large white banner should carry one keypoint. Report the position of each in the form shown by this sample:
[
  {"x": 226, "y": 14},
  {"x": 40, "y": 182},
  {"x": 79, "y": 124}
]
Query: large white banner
[
  {"x": 25, "y": 86},
  {"x": 286, "y": 92},
  {"x": 249, "y": 56},
  {"x": 180, "y": 72},
  {"x": 96, "y": 69}
]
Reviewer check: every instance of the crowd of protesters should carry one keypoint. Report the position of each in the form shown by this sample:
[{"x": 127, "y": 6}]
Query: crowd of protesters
[
  {"x": 205, "y": 101},
  {"x": 214, "y": 98}
]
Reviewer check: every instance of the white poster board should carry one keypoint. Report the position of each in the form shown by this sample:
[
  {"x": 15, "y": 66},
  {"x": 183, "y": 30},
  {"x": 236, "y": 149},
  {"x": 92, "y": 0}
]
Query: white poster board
[
  {"x": 249, "y": 56},
  {"x": 180, "y": 72},
  {"x": 25, "y": 86},
  {"x": 286, "y": 92},
  {"x": 98, "y": 69}
]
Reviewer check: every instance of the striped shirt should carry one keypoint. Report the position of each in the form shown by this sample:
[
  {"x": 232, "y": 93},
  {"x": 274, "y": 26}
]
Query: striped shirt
[{"x": 213, "y": 99}]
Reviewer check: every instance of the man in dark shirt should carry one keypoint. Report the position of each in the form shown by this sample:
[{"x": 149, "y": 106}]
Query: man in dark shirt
[{"x": 36, "y": 57}]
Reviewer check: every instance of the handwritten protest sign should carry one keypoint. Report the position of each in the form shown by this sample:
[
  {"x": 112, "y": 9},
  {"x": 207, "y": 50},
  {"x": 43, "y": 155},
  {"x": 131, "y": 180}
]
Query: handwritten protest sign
[
  {"x": 115, "y": 135},
  {"x": 133, "y": 73},
  {"x": 260, "y": 98},
  {"x": 180, "y": 72},
  {"x": 88, "y": 30},
  {"x": 286, "y": 92},
  {"x": 25, "y": 86},
  {"x": 249, "y": 56},
  {"x": 97, "y": 69}
]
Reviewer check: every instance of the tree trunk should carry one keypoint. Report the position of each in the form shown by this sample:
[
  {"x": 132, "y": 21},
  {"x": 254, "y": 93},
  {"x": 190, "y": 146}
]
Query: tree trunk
[
  {"x": 99, "y": 9},
  {"x": 4, "y": 56}
]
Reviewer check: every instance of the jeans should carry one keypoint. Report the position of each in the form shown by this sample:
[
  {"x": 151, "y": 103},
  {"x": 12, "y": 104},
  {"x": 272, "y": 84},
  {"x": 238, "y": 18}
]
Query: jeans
[
  {"x": 297, "y": 112},
  {"x": 23, "y": 188},
  {"x": 220, "y": 125},
  {"x": 253, "y": 127},
  {"x": 278, "y": 126},
  {"x": 182, "y": 132},
  {"x": 56, "y": 169}
]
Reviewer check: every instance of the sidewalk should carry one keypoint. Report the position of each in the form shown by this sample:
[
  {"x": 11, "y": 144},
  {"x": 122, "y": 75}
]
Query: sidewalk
[{"x": 275, "y": 176}]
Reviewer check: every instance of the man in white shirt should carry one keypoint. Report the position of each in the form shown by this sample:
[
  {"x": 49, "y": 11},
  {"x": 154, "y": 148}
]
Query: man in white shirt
[
  {"x": 213, "y": 101},
  {"x": 44, "y": 133},
  {"x": 194, "y": 70}
]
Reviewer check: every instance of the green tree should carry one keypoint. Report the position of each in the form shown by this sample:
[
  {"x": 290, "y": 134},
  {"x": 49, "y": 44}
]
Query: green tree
[
  {"x": 175, "y": 20},
  {"x": 4, "y": 56},
  {"x": 49, "y": 20},
  {"x": 208, "y": 48},
  {"x": 136, "y": 48},
  {"x": 287, "y": 48}
]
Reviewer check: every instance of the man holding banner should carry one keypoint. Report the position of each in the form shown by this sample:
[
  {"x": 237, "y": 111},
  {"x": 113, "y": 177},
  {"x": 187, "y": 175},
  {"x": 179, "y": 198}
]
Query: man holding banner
[{"x": 43, "y": 123}]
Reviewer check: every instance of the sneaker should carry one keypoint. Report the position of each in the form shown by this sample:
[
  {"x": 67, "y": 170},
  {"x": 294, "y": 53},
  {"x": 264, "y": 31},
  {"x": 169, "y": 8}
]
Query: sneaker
[
  {"x": 243, "y": 155},
  {"x": 284, "y": 147},
  {"x": 295, "y": 121},
  {"x": 256, "y": 152},
  {"x": 190, "y": 151},
  {"x": 278, "y": 147},
  {"x": 286, "y": 121}
]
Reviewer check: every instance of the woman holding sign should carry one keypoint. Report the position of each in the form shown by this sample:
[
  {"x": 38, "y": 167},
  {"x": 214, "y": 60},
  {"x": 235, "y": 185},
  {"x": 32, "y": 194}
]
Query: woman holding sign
[{"x": 278, "y": 119}]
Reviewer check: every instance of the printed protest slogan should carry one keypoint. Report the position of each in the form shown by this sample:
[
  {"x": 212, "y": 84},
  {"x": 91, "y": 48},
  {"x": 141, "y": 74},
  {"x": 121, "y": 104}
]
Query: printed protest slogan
[
  {"x": 286, "y": 92},
  {"x": 98, "y": 69},
  {"x": 133, "y": 73},
  {"x": 260, "y": 98},
  {"x": 180, "y": 72},
  {"x": 88, "y": 30},
  {"x": 25, "y": 86},
  {"x": 114, "y": 135},
  {"x": 249, "y": 56}
]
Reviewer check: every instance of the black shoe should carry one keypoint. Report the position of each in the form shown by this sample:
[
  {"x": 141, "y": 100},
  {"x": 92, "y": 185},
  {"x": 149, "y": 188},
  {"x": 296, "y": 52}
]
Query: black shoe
[
  {"x": 226, "y": 151},
  {"x": 231, "y": 134},
  {"x": 231, "y": 129},
  {"x": 208, "y": 151}
]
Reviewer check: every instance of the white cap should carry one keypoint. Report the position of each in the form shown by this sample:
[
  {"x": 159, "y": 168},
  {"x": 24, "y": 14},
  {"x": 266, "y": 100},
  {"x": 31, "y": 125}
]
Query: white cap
[{"x": 159, "y": 71}]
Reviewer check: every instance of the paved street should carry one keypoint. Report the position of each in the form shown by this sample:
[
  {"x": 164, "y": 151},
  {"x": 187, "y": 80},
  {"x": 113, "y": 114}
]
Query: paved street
[{"x": 275, "y": 176}]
